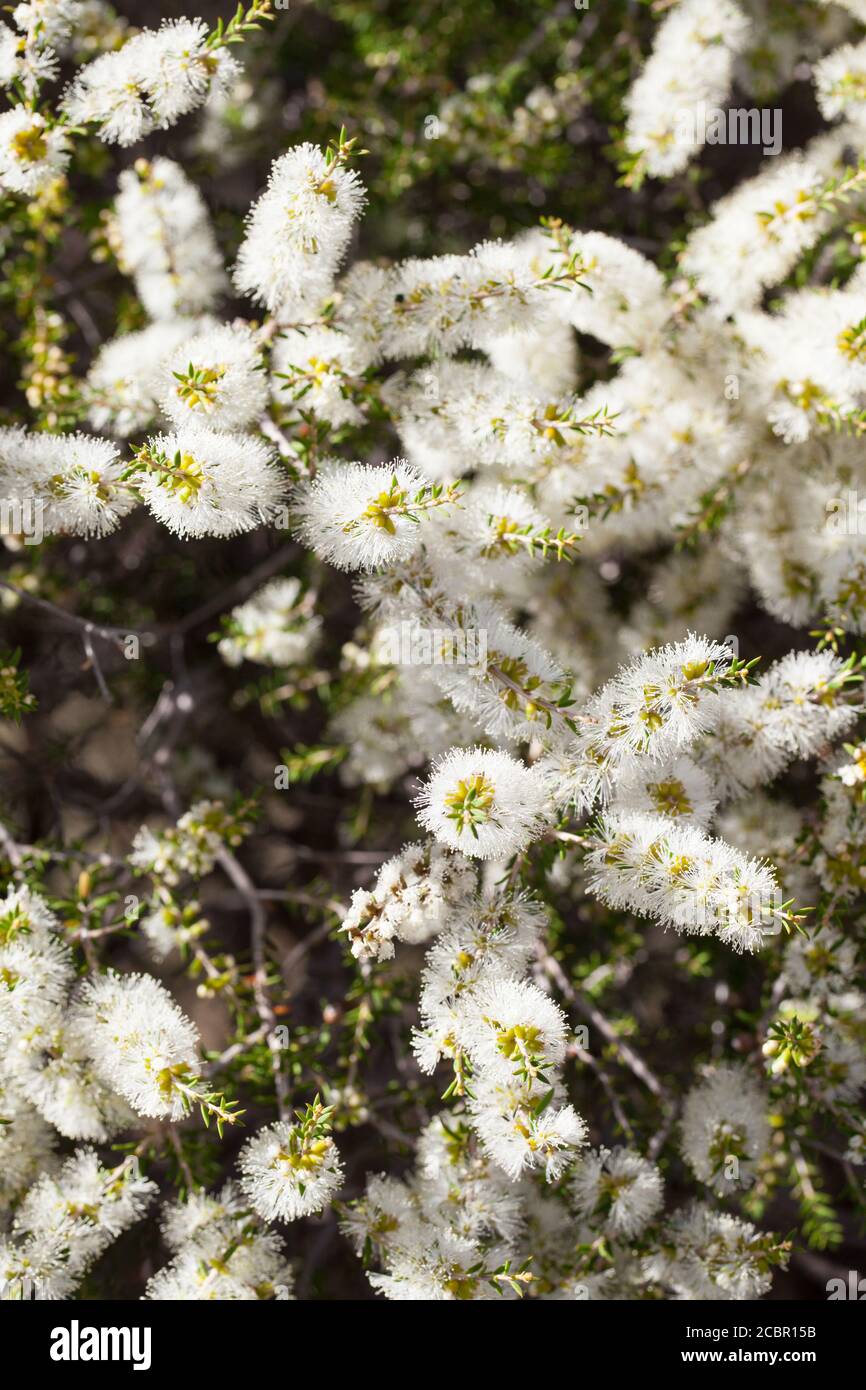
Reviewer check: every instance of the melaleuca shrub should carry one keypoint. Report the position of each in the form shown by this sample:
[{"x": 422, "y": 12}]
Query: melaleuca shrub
[{"x": 435, "y": 798}]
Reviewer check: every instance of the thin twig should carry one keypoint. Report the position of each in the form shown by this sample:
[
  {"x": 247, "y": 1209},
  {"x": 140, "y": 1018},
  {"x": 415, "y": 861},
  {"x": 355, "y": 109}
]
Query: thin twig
[
  {"x": 93, "y": 661},
  {"x": 258, "y": 949},
  {"x": 631, "y": 1059},
  {"x": 174, "y": 1140}
]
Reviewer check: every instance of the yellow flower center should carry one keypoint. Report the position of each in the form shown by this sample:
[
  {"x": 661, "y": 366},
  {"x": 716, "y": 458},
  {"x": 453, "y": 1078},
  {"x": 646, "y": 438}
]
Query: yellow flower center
[
  {"x": 470, "y": 802},
  {"x": 30, "y": 145}
]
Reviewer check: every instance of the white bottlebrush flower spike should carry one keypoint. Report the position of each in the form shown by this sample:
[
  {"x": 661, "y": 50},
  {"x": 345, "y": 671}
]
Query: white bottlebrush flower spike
[
  {"x": 156, "y": 77},
  {"x": 199, "y": 482},
  {"x": 298, "y": 231},
  {"x": 125, "y": 381},
  {"x": 141, "y": 1044},
  {"x": 219, "y": 1253},
  {"x": 274, "y": 627},
  {"x": 686, "y": 879},
  {"x": 522, "y": 1135},
  {"x": 482, "y": 802},
  {"x": 31, "y": 152},
  {"x": 216, "y": 379},
  {"x": 292, "y": 1169},
  {"x": 689, "y": 70},
  {"x": 163, "y": 239},
  {"x": 713, "y": 1256},
  {"x": 317, "y": 368},
  {"x": 361, "y": 517},
  {"x": 76, "y": 481},
  {"x": 725, "y": 1128},
  {"x": 510, "y": 1029},
  {"x": 617, "y": 1191}
]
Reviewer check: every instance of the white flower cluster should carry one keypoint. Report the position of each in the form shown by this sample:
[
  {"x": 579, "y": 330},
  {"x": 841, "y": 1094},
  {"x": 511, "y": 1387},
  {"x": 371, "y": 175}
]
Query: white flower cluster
[
  {"x": 691, "y": 66},
  {"x": 619, "y": 1190},
  {"x": 52, "y": 1071},
  {"x": 794, "y": 710},
  {"x": 414, "y": 897},
  {"x": 483, "y": 802},
  {"x": 162, "y": 237},
  {"x": 217, "y": 379},
  {"x": 32, "y": 153},
  {"x": 67, "y": 1220},
  {"x": 677, "y": 875},
  {"x": 126, "y": 381},
  {"x": 141, "y": 1045},
  {"x": 758, "y": 233},
  {"x": 292, "y": 1168},
  {"x": 28, "y": 50},
  {"x": 362, "y": 517},
  {"x": 148, "y": 84},
  {"x": 276, "y": 627},
  {"x": 76, "y": 481},
  {"x": 716, "y": 457},
  {"x": 449, "y": 1231},
  {"x": 200, "y": 482},
  {"x": 86, "y": 1058},
  {"x": 504, "y": 1037},
  {"x": 316, "y": 367},
  {"x": 219, "y": 1251},
  {"x": 725, "y": 1130},
  {"x": 298, "y": 232},
  {"x": 455, "y": 1230},
  {"x": 713, "y": 1256},
  {"x": 654, "y": 706},
  {"x": 191, "y": 846}
]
